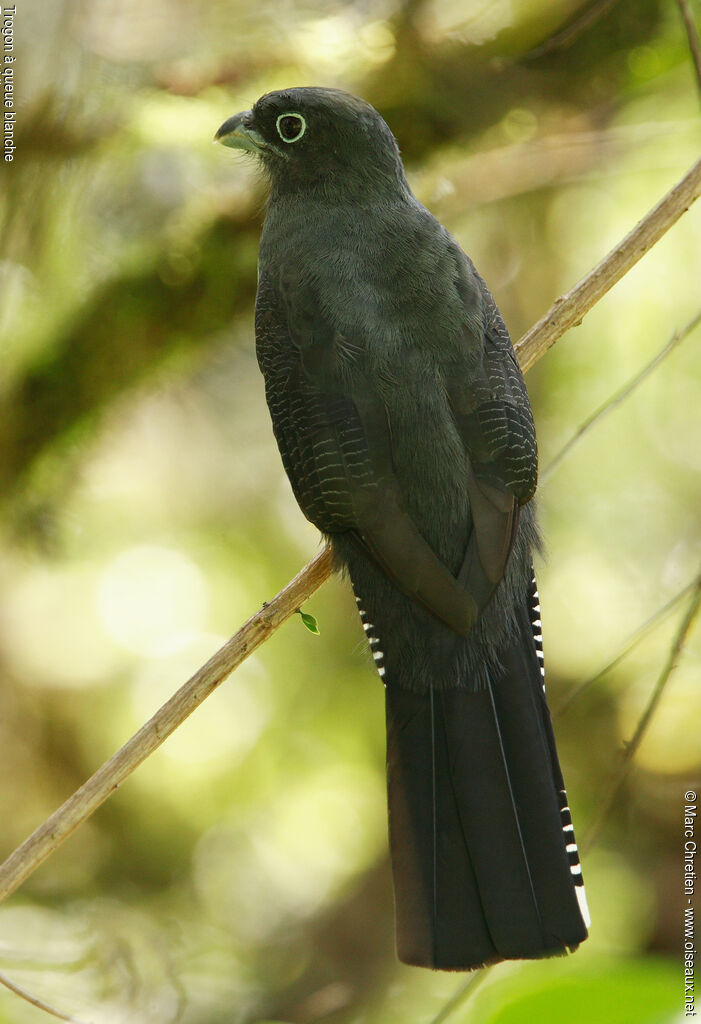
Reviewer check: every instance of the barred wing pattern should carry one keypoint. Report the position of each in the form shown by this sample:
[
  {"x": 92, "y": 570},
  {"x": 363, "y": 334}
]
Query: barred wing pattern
[
  {"x": 494, "y": 415},
  {"x": 320, "y": 436}
]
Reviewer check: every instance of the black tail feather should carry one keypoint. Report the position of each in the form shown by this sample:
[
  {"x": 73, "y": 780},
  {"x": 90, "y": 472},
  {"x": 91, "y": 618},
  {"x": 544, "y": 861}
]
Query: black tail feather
[{"x": 482, "y": 868}]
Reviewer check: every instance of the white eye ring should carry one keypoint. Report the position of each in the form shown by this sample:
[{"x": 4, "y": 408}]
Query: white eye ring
[{"x": 301, "y": 131}]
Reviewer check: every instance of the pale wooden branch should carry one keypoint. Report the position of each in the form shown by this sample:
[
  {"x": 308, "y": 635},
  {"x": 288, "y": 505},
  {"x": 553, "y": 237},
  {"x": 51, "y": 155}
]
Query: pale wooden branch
[
  {"x": 692, "y": 36},
  {"x": 27, "y": 857},
  {"x": 565, "y": 312},
  {"x": 569, "y": 309},
  {"x": 35, "y": 1001}
]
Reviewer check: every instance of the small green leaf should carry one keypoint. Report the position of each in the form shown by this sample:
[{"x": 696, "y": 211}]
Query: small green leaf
[{"x": 310, "y": 622}]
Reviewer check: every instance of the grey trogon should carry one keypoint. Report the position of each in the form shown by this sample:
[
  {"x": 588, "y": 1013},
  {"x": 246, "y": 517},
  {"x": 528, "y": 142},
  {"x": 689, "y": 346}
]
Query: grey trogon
[{"x": 405, "y": 429}]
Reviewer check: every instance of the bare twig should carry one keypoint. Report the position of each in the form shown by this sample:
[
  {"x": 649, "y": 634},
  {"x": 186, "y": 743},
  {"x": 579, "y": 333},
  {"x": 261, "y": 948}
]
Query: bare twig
[
  {"x": 632, "y": 642},
  {"x": 564, "y": 313},
  {"x": 569, "y": 309},
  {"x": 27, "y": 857},
  {"x": 566, "y": 36},
  {"x": 616, "y": 399},
  {"x": 39, "y": 1003},
  {"x": 631, "y": 748},
  {"x": 693, "y": 37},
  {"x": 465, "y": 991}
]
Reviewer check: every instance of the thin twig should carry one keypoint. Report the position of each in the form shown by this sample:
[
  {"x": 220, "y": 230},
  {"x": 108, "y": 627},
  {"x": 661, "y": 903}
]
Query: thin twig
[
  {"x": 565, "y": 36},
  {"x": 631, "y": 748},
  {"x": 564, "y": 313},
  {"x": 619, "y": 396},
  {"x": 632, "y": 642},
  {"x": 693, "y": 36},
  {"x": 466, "y": 989},
  {"x": 39, "y": 1003},
  {"x": 27, "y": 857},
  {"x": 569, "y": 309}
]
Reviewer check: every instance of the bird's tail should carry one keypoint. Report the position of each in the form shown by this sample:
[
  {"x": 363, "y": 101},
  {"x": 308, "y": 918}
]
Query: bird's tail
[{"x": 484, "y": 859}]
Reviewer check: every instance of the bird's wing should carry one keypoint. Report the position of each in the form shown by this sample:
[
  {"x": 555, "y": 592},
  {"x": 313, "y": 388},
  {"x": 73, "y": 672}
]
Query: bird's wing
[
  {"x": 336, "y": 447},
  {"x": 493, "y": 416}
]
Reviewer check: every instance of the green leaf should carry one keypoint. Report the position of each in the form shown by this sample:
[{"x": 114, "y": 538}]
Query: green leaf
[
  {"x": 596, "y": 992},
  {"x": 310, "y": 622}
]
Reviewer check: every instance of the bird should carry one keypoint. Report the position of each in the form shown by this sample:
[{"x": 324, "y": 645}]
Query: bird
[{"x": 405, "y": 429}]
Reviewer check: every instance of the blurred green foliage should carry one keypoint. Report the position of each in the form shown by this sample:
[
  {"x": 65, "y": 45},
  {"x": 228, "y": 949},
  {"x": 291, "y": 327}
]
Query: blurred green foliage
[{"x": 241, "y": 874}]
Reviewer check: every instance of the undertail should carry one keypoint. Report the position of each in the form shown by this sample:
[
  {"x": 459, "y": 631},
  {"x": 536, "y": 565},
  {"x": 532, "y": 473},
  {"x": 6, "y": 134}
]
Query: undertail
[{"x": 484, "y": 859}]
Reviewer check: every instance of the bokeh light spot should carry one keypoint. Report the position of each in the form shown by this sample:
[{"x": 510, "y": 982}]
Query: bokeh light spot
[{"x": 152, "y": 599}]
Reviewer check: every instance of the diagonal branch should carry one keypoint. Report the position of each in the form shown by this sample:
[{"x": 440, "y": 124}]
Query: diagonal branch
[
  {"x": 465, "y": 991},
  {"x": 565, "y": 36},
  {"x": 615, "y": 400},
  {"x": 693, "y": 37},
  {"x": 27, "y": 857},
  {"x": 631, "y": 748},
  {"x": 565, "y": 312},
  {"x": 631, "y": 643},
  {"x": 568, "y": 311},
  {"x": 34, "y": 1001}
]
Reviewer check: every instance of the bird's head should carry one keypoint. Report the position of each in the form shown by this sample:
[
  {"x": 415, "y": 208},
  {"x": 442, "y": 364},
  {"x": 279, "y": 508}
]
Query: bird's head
[{"x": 311, "y": 137}]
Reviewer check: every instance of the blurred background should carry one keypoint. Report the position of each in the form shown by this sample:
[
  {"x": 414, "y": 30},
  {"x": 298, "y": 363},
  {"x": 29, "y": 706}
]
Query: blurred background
[{"x": 241, "y": 874}]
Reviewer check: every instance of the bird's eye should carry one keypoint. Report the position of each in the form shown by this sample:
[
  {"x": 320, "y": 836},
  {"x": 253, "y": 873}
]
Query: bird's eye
[{"x": 291, "y": 127}]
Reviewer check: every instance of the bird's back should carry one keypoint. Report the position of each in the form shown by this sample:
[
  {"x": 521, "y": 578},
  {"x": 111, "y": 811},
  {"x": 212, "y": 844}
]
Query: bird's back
[{"x": 395, "y": 312}]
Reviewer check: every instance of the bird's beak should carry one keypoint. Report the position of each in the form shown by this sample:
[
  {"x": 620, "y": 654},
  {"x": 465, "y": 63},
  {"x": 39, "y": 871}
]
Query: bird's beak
[{"x": 238, "y": 133}]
